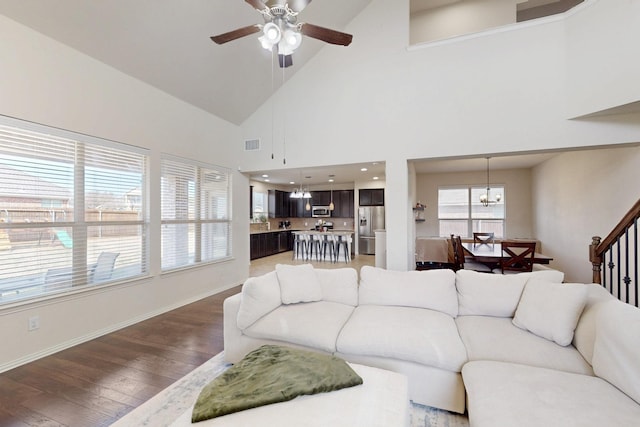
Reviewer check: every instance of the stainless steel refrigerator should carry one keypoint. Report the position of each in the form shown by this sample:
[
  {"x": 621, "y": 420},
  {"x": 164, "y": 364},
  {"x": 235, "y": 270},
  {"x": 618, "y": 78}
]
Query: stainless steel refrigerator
[{"x": 370, "y": 219}]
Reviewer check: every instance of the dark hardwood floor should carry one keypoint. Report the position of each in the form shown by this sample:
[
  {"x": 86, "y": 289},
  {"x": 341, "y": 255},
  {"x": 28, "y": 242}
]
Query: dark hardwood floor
[{"x": 96, "y": 383}]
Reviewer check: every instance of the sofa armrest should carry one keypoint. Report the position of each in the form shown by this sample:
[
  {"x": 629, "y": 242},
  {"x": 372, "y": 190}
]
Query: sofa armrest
[{"x": 232, "y": 334}]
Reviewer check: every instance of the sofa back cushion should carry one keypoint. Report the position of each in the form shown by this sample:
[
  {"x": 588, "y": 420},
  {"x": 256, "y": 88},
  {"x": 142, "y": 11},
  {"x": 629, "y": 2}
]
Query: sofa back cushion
[
  {"x": 482, "y": 294},
  {"x": 551, "y": 310},
  {"x": 260, "y": 296},
  {"x": 616, "y": 353},
  {"x": 298, "y": 283},
  {"x": 432, "y": 289},
  {"x": 585, "y": 334},
  {"x": 339, "y": 285}
]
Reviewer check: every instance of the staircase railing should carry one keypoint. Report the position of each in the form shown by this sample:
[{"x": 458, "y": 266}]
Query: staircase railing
[{"x": 619, "y": 255}]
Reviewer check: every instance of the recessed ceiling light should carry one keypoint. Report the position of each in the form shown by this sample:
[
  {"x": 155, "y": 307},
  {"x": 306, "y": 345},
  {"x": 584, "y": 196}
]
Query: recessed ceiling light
[
  {"x": 266, "y": 180},
  {"x": 292, "y": 182},
  {"x": 331, "y": 180},
  {"x": 375, "y": 178},
  {"x": 265, "y": 176},
  {"x": 364, "y": 170}
]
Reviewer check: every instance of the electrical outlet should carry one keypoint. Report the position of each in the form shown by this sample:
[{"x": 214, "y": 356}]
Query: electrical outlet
[{"x": 34, "y": 323}]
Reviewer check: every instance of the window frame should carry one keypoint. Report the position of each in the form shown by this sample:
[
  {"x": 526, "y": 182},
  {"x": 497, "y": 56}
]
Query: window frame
[
  {"x": 78, "y": 272},
  {"x": 201, "y": 242},
  {"x": 470, "y": 219}
]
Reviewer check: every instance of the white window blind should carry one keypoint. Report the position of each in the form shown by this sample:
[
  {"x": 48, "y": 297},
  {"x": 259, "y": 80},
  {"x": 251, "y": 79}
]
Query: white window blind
[
  {"x": 72, "y": 211},
  {"x": 196, "y": 213},
  {"x": 460, "y": 212}
]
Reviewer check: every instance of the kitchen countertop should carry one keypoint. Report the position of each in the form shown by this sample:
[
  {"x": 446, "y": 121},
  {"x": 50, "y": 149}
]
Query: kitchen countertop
[{"x": 278, "y": 230}]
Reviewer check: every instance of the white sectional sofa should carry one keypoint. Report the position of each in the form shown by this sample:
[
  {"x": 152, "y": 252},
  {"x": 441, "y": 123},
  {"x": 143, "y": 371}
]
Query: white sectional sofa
[{"x": 520, "y": 349}]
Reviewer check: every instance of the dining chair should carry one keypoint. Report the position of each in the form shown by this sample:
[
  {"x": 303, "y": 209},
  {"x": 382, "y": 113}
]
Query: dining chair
[
  {"x": 517, "y": 257},
  {"x": 483, "y": 238},
  {"x": 459, "y": 260}
]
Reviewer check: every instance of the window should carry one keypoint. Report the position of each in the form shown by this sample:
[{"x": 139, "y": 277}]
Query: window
[
  {"x": 65, "y": 223},
  {"x": 461, "y": 213},
  {"x": 260, "y": 206},
  {"x": 196, "y": 213}
]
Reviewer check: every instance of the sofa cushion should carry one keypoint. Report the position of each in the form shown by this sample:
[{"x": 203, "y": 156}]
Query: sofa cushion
[
  {"x": 508, "y": 394},
  {"x": 616, "y": 353},
  {"x": 585, "y": 334},
  {"x": 432, "y": 289},
  {"x": 313, "y": 324},
  {"x": 551, "y": 310},
  {"x": 496, "y": 338},
  {"x": 298, "y": 283},
  {"x": 497, "y": 295},
  {"x": 260, "y": 296},
  {"x": 339, "y": 285},
  {"x": 406, "y": 333}
]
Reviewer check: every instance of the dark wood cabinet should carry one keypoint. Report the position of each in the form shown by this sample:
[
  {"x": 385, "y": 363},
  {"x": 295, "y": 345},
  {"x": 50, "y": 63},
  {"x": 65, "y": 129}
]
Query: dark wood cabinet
[
  {"x": 371, "y": 197},
  {"x": 278, "y": 204},
  {"x": 320, "y": 198},
  {"x": 265, "y": 244},
  {"x": 343, "y": 204}
]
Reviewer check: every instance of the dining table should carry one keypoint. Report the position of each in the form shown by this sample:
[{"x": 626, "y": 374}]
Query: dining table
[{"x": 491, "y": 253}]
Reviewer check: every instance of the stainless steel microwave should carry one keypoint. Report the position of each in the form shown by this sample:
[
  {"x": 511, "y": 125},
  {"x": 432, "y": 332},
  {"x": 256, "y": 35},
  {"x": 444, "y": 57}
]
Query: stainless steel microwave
[{"x": 320, "y": 212}]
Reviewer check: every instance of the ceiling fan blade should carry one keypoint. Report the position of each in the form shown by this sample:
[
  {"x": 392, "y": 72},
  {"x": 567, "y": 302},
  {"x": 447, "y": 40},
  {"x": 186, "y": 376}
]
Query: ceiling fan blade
[
  {"x": 326, "y": 35},
  {"x": 285, "y": 60},
  {"x": 235, "y": 34},
  {"x": 257, "y": 4},
  {"x": 298, "y": 5}
]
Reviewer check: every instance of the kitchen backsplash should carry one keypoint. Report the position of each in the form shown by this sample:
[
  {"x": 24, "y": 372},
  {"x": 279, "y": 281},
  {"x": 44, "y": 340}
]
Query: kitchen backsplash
[{"x": 303, "y": 224}]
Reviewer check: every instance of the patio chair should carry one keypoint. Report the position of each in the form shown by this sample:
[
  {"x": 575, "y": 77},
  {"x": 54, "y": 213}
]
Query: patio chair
[{"x": 100, "y": 271}]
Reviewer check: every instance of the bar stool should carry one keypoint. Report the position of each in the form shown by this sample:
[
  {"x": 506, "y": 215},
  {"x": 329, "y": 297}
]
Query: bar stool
[
  {"x": 314, "y": 245},
  {"x": 343, "y": 241},
  {"x": 299, "y": 244},
  {"x": 327, "y": 242}
]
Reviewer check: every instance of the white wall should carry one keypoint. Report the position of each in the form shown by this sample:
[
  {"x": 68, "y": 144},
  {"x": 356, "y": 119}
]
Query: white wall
[
  {"x": 48, "y": 83},
  {"x": 517, "y": 183},
  {"x": 578, "y": 195},
  {"x": 464, "y": 17},
  {"x": 602, "y": 59},
  {"x": 502, "y": 91}
]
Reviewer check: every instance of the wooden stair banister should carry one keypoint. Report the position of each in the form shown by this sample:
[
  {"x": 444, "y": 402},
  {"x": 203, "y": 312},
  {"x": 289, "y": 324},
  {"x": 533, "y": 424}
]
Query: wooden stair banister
[{"x": 599, "y": 247}]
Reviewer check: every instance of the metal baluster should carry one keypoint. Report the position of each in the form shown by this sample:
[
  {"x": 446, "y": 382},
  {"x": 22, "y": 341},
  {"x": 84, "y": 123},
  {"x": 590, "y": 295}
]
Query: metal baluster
[{"x": 626, "y": 278}]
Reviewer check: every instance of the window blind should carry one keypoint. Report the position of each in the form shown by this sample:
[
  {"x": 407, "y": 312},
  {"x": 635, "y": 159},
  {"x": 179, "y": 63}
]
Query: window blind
[
  {"x": 195, "y": 213},
  {"x": 72, "y": 211}
]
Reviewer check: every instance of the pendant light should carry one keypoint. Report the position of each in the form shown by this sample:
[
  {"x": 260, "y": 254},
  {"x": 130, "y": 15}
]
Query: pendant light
[
  {"x": 331, "y": 205},
  {"x": 485, "y": 199}
]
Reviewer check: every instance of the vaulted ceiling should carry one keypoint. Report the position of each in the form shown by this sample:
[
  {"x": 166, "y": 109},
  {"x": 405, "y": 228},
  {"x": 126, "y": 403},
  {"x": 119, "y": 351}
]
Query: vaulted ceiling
[{"x": 166, "y": 44}]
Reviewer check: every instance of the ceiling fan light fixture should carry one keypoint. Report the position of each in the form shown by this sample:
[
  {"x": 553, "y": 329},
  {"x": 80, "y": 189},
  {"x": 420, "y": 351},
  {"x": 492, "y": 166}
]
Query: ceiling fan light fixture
[
  {"x": 271, "y": 35},
  {"x": 291, "y": 39}
]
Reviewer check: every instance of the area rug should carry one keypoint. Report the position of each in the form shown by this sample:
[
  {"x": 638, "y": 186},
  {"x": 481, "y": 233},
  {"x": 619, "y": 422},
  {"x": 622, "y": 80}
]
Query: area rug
[{"x": 162, "y": 409}]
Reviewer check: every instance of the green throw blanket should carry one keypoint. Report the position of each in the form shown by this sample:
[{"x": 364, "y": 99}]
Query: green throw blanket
[{"x": 272, "y": 374}]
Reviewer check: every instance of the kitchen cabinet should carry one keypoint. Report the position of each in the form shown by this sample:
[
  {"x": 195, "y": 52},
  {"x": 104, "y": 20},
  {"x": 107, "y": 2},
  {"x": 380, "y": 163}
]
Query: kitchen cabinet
[
  {"x": 297, "y": 208},
  {"x": 371, "y": 197},
  {"x": 278, "y": 204},
  {"x": 320, "y": 198},
  {"x": 269, "y": 243},
  {"x": 343, "y": 204}
]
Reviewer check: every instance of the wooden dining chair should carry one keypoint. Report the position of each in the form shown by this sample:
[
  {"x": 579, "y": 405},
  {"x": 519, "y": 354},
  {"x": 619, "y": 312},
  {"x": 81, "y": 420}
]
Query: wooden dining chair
[
  {"x": 483, "y": 238},
  {"x": 517, "y": 257},
  {"x": 460, "y": 262}
]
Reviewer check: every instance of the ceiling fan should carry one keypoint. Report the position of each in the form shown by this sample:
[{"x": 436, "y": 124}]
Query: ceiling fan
[{"x": 282, "y": 30}]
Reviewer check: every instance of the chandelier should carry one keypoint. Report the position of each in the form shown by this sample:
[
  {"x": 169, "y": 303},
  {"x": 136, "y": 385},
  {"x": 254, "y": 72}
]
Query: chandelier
[
  {"x": 485, "y": 199},
  {"x": 299, "y": 193}
]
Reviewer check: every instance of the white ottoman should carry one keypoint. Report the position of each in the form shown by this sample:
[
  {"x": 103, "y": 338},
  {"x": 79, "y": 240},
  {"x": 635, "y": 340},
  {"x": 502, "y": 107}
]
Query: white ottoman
[{"x": 381, "y": 401}]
